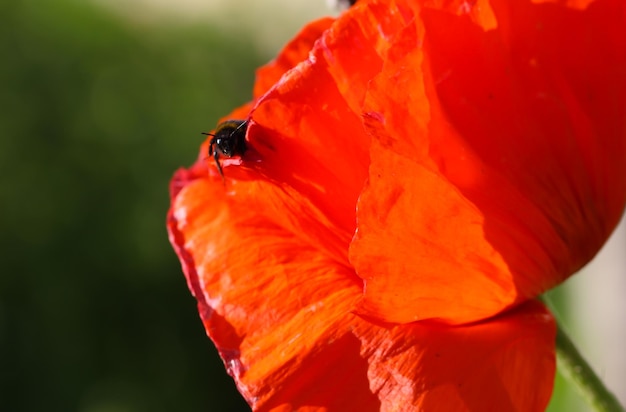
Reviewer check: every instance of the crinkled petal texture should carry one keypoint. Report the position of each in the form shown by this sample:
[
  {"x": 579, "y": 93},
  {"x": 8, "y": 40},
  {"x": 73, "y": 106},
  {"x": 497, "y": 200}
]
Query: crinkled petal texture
[
  {"x": 279, "y": 309},
  {"x": 498, "y": 154},
  {"x": 266, "y": 256}
]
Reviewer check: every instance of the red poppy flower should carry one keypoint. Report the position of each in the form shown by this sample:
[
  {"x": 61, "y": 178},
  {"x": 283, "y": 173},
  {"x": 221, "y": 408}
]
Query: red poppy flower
[{"x": 417, "y": 172}]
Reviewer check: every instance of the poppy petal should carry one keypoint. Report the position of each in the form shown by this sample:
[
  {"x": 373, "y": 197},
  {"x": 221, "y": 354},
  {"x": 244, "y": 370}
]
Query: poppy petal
[
  {"x": 306, "y": 137},
  {"x": 302, "y": 132},
  {"x": 505, "y": 364},
  {"x": 278, "y": 308},
  {"x": 356, "y": 46},
  {"x": 307, "y": 129},
  {"x": 503, "y": 170},
  {"x": 293, "y": 53}
]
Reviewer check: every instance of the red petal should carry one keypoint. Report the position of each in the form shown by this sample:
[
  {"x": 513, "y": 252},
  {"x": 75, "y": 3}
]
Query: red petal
[
  {"x": 302, "y": 132},
  {"x": 278, "y": 307},
  {"x": 356, "y": 46},
  {"x": 506, "y": 364},
  {"x": 503, "y": 170},
  {"x": 307, "y": 137},
  {"x": 293, "y": 53},
  {"x": 307, "y": 130}
]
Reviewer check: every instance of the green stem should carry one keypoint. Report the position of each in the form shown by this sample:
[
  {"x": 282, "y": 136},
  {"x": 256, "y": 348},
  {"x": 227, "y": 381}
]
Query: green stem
[{"x": 574, "y": 367}]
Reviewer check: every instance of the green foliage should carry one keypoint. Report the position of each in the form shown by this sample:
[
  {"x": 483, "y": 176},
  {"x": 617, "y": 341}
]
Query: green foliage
[{"x": 95, "y": 116}]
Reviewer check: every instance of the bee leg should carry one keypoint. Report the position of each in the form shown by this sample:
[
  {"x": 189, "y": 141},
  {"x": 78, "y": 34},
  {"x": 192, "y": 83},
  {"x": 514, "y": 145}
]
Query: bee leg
[{"x": 216, "y": 156}]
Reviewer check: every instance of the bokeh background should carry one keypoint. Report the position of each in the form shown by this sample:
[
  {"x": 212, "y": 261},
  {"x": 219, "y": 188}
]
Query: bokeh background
[{"x": 100, "y": 102}]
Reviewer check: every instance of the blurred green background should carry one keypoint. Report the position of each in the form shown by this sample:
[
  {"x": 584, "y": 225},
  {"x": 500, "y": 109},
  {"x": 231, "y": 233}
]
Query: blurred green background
[{"x": 96, "y": 112}]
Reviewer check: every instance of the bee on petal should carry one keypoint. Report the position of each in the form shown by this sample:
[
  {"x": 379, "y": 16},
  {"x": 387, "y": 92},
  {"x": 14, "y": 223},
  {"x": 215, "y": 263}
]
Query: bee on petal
[{"x": 228, "y": 140}]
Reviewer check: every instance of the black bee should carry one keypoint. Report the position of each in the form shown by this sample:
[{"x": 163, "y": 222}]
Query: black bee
[{"x": 229, "y": 140}]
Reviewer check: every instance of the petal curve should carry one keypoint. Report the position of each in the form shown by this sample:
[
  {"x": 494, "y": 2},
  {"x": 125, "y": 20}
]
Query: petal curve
[
  {"x": 518, "y": 142},
  {"x": 280, "y": 314}
]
